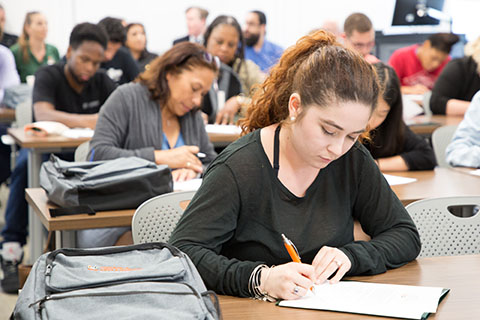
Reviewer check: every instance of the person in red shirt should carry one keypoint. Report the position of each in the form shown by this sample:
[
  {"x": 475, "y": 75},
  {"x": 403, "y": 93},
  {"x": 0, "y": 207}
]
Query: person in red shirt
[{"x": 418, "y": 66}]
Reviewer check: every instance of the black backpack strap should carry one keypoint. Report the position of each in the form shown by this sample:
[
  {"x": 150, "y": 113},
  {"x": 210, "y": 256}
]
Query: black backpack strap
[
  {"x": 85, "y": 209},
  {"x": 276, "y": 150}
]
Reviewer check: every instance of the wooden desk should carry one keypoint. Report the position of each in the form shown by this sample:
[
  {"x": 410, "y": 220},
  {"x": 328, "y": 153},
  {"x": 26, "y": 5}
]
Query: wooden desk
[
  {"x": 441, "y": 182},
  {"x": 425, "y": 125},
  {"x": 63, "y": 225},
  {"x": 459, "y": 273},
  {"x": 222, "y": 135},
  {"x": 37, "y": 146},
  {"x": 7, "y": 115}
]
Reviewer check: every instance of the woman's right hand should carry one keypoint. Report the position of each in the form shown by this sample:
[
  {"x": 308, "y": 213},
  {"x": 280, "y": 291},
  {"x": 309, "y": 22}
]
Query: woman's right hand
[
  {"x": 181, "y": 157},
  {"x": 287, "y": 281}
]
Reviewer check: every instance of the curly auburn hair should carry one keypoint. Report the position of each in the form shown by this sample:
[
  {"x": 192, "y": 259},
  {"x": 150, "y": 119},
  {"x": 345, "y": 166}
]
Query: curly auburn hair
[{"x": 321, "y": 71}]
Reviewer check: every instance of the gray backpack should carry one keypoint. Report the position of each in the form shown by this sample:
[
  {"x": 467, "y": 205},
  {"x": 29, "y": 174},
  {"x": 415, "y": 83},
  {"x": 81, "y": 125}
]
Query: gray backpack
[
  {"x": 123, "y": 183},
  {"x": 145, "y": 281}
]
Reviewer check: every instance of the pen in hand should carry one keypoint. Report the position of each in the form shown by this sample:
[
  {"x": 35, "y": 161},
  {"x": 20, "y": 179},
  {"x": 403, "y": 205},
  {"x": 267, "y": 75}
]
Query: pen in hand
[{"x": 292, "y": 251}]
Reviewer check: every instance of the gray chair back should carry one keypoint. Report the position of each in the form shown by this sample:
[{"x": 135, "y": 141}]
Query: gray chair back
[
  {"x": 447, "y": 226},
  {"x": 24, "y": 113},
  {"x": 441, "y": 138},
  {"x": 81, "y": 152},
  {"x": 155, "y": 219}
]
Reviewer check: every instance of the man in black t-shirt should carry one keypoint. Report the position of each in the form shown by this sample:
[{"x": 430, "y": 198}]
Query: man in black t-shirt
[
  {"x": 118, "y": 62},
  {"x": 69, "y": 92}
]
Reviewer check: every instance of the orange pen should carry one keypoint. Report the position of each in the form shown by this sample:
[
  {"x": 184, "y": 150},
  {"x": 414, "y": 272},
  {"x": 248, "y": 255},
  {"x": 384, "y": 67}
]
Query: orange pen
[{"x": 293, "y": 252}]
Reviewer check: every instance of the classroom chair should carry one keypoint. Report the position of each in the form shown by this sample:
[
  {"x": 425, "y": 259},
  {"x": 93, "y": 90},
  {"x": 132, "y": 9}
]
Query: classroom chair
[
  {"x": 441, "y": 138},
  {"x": 447, "y": 226},
  {"x": 81, "y": 152},
  {"x": 155, "y": 219}
]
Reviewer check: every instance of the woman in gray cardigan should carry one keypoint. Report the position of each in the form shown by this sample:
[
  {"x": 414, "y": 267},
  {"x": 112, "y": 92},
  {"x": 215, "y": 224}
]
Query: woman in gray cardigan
[{"x": 156, "y": 117}]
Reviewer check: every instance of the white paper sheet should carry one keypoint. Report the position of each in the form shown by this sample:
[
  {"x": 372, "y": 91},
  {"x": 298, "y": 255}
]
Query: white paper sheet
[
  {"x": 475, "y": 172},
  {"x": 78, "y": 133},
  {"x": 409, "y": 302},
  {"x": 410, "y": 106},
  {"x": 223, "y": 129},
  {"x": 189, "y": 185},
  {"x": 394, "y": 180}
]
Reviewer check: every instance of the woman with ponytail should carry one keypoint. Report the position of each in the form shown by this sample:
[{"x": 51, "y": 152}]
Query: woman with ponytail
[
  {"x": 31, "y": 51},
  {"x": 299, "y": 171}
]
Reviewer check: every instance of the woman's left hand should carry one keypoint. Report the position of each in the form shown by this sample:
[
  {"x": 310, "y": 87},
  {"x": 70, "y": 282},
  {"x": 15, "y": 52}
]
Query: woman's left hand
[
  {"x": 183, "y": 174},
  {"x": 327, "y": 261},
  {"x": 227, "y": 114}
]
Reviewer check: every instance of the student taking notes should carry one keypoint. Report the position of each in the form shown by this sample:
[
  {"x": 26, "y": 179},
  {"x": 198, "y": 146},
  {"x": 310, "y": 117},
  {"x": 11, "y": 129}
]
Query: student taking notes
[{"x": 301, "y": 171}]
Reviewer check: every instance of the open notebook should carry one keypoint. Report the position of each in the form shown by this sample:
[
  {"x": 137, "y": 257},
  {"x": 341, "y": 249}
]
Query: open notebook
[
  {"x": 388, "y": 300},
  {"x": 53, "y": 128}
]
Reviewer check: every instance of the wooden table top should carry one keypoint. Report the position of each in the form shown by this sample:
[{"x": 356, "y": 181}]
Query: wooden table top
[
  {"x": 37, "y": 198},
  {"x": 441, "y": 182},
  {"x": 31, "y": 141},
  {"x": 461, "y": 274},
  {"x": 425, "y": 125},
  {"x": 7, "y": 114}
]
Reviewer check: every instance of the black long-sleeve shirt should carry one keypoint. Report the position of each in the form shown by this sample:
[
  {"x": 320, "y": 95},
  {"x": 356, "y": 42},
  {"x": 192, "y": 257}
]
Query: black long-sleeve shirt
[
  {"x": 236, "y": 218},
  {"x": 416, "y": 151},
  {"x": 458, "y": 80}
]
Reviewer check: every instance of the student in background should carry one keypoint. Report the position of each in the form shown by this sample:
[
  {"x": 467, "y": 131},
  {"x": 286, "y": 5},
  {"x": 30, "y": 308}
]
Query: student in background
[
  {"x": 458, "y": 83},
  {"x": 418, "y": 66},
  {"x": 358, "y": 34},
  {"x": 6, "y": 39},
  {"x": 69, "y": 92},
  {"x": 31, "y": 51},
  {"x": 392, "y": 144},
  {"x": 196, "y": 18},
  {"x": 224, "y": 39},
  {"x": 333, "y": 27},
  {"x": 137, "y": 44},
  {"x": 464, "y": 149},
  {"x": 299, "y": 171},
  {"x": 8, "y": 78},
  {"x": 257, "y": 48},
  {"x": 157, "y": 118},
  {"x": 118, "y": 62}
]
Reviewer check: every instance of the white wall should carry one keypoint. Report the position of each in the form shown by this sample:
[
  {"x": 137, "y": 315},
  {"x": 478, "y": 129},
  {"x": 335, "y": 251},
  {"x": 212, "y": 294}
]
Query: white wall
[{"x": 165, "y": 21}]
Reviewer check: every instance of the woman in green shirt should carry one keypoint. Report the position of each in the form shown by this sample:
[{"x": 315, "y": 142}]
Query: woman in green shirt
[{"x": 31, "y": 51}]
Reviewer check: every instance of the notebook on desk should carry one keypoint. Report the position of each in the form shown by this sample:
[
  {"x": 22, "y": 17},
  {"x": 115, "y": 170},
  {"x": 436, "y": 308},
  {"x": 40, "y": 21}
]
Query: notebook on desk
[{"x": 387, "y": 300}]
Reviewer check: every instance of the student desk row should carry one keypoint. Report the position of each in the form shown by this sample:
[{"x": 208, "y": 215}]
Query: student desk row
[
  {"x": 441, "y": 182},
  {"x": 425, "y": 125},
  {"x": 53, "y": 144},
  {"x": 461, "y": 274}
]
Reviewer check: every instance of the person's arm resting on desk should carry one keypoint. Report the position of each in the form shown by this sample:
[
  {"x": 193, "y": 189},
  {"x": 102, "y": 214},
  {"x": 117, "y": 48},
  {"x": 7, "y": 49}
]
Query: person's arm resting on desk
[
  {"x": 45, "y": 111},
  {"x": 464, "y": 149}
]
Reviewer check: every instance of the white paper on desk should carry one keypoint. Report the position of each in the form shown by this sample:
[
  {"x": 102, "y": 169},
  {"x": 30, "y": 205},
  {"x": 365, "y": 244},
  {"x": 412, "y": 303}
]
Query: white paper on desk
[
  {"x": 410, "y": 107},
  {"x": 390, "y": 300},
  {"x": 223, "y": 129},
  {"x": 76, "y": 133},
  {"x": 189, "y": 185},
  {"x": 394, "y": 180},
  {"x": 475, "y": 172}
]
